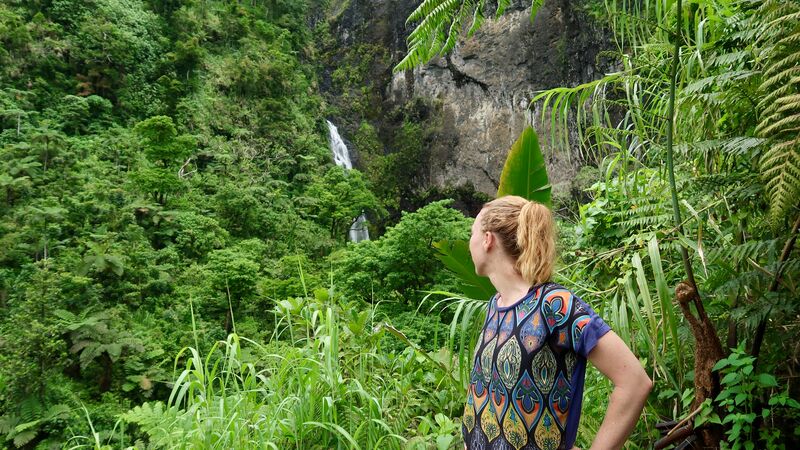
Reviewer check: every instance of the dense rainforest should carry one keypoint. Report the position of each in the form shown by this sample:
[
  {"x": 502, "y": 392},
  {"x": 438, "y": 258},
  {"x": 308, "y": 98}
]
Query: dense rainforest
[{"x": 175, "y": 266}]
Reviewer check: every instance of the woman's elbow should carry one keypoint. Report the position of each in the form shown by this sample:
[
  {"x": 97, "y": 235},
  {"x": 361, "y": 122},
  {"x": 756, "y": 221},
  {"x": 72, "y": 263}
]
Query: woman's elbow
[
  {"x": 645, "y": 385},
  {"x": 638, "y": 384}
]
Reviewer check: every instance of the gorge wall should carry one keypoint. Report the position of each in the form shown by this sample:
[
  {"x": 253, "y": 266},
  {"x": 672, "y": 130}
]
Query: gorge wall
[{"x": 476, "y": 99}]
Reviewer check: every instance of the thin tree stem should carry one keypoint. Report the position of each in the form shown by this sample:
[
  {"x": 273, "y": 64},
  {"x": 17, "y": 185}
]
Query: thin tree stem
[{"x": 670, "y": 169}]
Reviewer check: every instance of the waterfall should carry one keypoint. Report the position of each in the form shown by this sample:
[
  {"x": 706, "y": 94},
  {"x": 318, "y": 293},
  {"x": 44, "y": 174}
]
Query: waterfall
[
  {"x": 341, "y": 156},
  {"x": 358, "y": 230}
]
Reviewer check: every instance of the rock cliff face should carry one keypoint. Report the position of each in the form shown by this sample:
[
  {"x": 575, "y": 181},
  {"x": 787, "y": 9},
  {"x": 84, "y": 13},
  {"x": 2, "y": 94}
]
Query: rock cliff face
[{"x": 484, "y": 86}]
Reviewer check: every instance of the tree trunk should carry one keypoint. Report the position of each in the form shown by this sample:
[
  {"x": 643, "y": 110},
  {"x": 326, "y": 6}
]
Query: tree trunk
[
  {"x": 707, "y": 351},
  {"x": 105, "y": 378}
]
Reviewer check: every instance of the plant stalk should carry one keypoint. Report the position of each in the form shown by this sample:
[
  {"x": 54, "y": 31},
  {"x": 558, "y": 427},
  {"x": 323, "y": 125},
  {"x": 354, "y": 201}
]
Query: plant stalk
[{"x": 670, "y": 168}]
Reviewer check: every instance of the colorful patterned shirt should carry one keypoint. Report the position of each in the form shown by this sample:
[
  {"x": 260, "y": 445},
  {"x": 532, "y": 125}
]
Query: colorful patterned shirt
[{"x": 526, "y": 384}]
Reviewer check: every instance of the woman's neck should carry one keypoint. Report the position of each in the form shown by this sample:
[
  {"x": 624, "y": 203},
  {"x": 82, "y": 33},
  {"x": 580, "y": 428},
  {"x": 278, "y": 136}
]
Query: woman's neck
[{"x": 509, "y": 284}]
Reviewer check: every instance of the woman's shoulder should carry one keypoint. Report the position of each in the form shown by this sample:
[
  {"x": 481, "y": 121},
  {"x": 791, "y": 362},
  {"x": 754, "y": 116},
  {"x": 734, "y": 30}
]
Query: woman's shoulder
[
  {"x": 558, "y": 292},
  {"x": 553, "y": 289}
]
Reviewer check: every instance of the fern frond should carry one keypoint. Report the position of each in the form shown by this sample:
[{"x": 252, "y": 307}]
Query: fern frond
[
  {"x": 771, "y": 97},
  {"x": 737, "y": 253},
  {"x": 77, "y": 347},
  {"x": 131, "y": 342},
  {"x": 432, "y": 21},
  {"x": 700, "y": 85},
  {"x": 424, "y": 41},
  {"x": 781, "y": 170},
  {"x": 786, "y": 105},
  {"x": 732, "y": 58},
  {"x": 773, "y": 11},
  {"x": 477, "y": 18},
  {"x": 789, "y": 41},
  {"x": 787, "y": 70},
  {"x": 639, "y": 222},
  {"x": 89, "y": 354},
  {"x": 501, "y": 7},
  {"x": 783, "y": 65},
  {"x": 637, "y": 209},
  {"x": 784, "y": 15},
  {"x": 440, "y": 25},
  {"x": 766, "y": 128},
  {"x": 23, "y": 438},
  {"x": 741, "y": 280},
  {"x": 455, "y": 29},
  {"x": 423, "y": 10},
  {"x": 535, "y": 5},
  {"x": 30, "y": 409},
  {"x": 740, "y": 145},
  {"x": 782, "y": 147},
  {"x": 735, "y": 146},
  {"x": 747, "y": 34}
]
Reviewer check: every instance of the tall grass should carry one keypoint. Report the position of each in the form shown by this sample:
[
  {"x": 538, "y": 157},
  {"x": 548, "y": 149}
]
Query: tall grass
[{"x": 330, "y": 386}]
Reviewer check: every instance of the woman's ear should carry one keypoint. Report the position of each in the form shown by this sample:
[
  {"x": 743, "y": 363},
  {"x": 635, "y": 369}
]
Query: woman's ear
[{"x": 488, "y": 240}]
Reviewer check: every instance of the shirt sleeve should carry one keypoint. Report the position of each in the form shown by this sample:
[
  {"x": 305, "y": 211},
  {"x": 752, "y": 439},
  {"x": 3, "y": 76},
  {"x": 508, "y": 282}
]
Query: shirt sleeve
[{"x": 581, "y": 328}]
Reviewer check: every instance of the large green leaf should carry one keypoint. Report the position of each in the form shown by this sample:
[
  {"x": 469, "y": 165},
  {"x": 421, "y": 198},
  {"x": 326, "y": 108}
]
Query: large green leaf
[
  {"x": 455, "y": 256},
  {"x": 524, "y": 173}
]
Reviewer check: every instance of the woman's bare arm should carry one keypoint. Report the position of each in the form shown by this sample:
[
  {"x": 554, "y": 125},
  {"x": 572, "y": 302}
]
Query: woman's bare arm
[{"x": 614, "y": 359}]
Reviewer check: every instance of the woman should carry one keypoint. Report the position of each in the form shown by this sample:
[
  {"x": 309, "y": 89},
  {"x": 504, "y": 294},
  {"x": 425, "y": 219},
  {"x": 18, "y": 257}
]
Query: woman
[{"x": 526, "y": 384}]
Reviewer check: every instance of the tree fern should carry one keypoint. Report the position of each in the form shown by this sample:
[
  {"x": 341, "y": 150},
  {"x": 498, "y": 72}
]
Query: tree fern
[{"x": 780, "y": 118}]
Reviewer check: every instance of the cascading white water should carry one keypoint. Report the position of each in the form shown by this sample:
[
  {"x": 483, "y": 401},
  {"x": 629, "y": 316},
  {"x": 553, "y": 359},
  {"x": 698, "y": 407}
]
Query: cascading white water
[
  {"x": 341, "y": 156},
  {"x": 358, "y": 230}
]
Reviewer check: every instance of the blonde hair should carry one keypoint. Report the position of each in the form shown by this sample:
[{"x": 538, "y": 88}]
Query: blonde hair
[{"x": 527, "y": 231}]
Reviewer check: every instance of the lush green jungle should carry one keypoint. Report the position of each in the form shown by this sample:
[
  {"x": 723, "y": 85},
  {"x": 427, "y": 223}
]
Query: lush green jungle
[{"x": 175, "y": 270}]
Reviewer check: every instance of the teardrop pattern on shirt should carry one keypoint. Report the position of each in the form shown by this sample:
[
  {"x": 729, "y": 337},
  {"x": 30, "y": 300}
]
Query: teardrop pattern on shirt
[
  {"x": 498, "y": 396},
  {"x": 491, "y": 326},
  {"x": 527, "y": 306},
  {"x": 468, "y": 419},
  {"x": 543, "y": 368},
  {"x": 480, "y": 394},
  {"x": 507, "y": 323},
  {"x": 547, "y": 434},
  {"x": 489, "y": 424},
  {"x": 555, "y": 307},
  {"x": 578, "y": 325},
  {"x": 560, "y": 399},
  {"x": 487, "y": 358},
  {"x": 509, "y": 359},
  {"x": 514, "y": 429},
  {"x": 533, "y": 332},
  {"x": 527, "y": 400}
]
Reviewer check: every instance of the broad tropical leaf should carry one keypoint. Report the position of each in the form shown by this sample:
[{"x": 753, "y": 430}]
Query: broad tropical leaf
[
  {"x": 524, "y": 173},
  {"x": 455, "y": 256}
]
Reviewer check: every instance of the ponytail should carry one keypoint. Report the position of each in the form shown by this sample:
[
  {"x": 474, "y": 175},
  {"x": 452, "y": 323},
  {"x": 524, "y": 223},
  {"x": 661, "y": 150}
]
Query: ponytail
[
  {"x": 527, "y": 232},
  {"x": 536, "y": 241}
]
